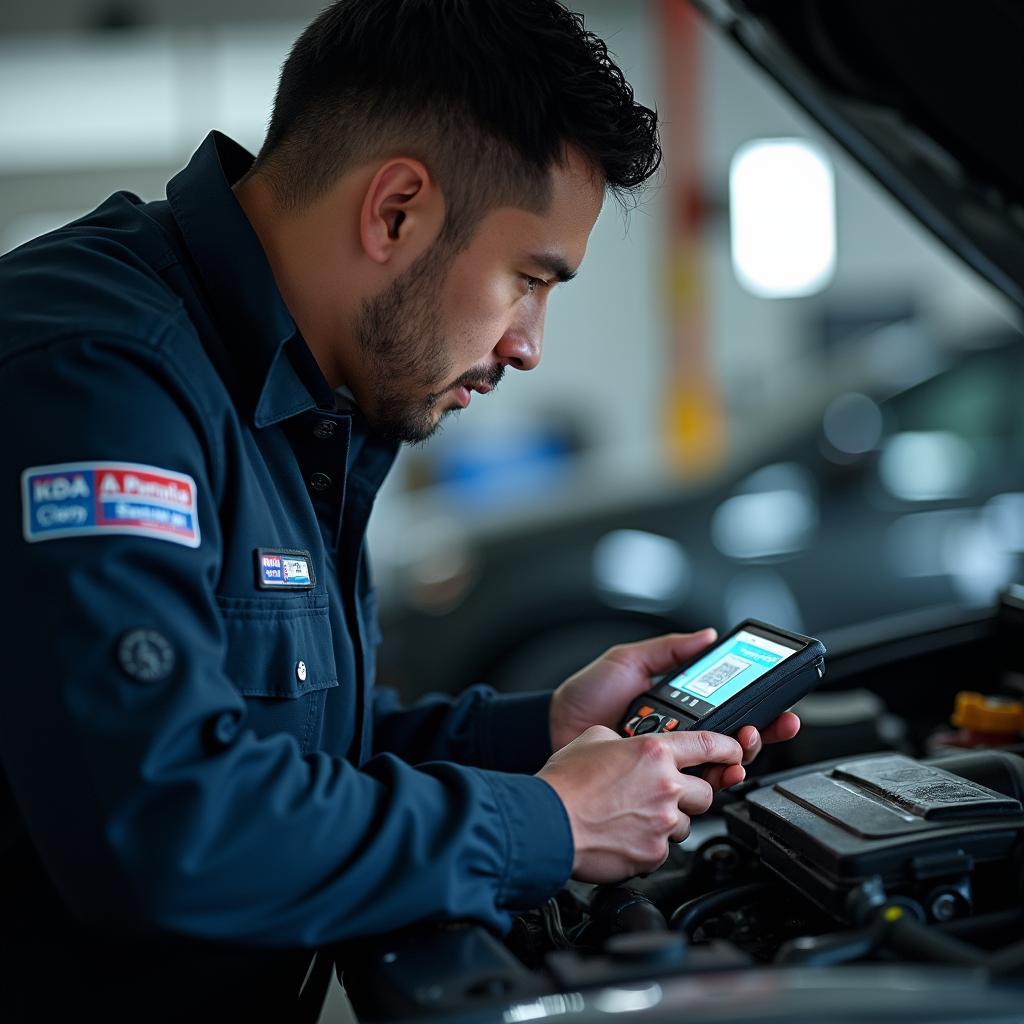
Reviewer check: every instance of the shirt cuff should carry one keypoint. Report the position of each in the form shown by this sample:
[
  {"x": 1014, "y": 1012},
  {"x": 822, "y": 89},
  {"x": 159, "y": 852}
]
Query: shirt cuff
[
  {"x": 515, "y": 732},
  {"x": 540, "y": 846}
]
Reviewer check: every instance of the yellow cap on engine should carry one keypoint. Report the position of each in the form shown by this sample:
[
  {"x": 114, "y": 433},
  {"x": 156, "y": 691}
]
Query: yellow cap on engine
[{"x": 979, "y": 713}]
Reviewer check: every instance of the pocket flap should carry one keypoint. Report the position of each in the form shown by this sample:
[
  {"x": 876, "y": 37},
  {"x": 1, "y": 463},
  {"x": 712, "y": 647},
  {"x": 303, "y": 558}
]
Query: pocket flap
[{"x": 278, "y": 646}]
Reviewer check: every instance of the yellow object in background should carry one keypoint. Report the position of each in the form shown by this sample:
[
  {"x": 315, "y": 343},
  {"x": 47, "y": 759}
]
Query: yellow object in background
[
  {"x": 695, "y": 431},
  {"x": 981, "y": 714}
]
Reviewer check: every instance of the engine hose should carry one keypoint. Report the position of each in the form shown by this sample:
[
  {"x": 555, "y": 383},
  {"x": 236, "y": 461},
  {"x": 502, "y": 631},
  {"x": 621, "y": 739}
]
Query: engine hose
[
  {"x": 616, "y": 909},
  {"x": 692, "y": 914},
  {"x": 830, "y": 950},
  {"x": 1010, "y": 921},
  {"x": 903, "y": 933},
  {"x": 910, "y": 937},
  {"x": 641, "y": 916}
]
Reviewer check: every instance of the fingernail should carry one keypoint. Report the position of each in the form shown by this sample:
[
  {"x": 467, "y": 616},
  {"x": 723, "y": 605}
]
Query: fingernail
[{"x": 752, "y": 740}]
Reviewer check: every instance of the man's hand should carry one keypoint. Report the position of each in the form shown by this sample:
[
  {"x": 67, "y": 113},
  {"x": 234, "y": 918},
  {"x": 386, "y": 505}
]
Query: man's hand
[
  {"x": 627, "y": 799},
  {"x": 600, "y": 693}
]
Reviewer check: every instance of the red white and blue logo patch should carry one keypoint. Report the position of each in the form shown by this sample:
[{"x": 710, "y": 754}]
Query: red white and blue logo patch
[
  {"x": 81, "y": 498},
  {"x": 284, "y": 569}
]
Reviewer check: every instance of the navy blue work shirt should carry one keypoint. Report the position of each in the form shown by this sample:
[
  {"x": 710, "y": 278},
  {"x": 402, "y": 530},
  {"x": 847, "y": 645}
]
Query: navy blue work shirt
[{"x": 198, "y": 784}]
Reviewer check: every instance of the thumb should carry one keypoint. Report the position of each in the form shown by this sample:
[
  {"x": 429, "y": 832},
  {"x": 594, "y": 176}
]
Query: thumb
[{"x": 662, "y": 653}]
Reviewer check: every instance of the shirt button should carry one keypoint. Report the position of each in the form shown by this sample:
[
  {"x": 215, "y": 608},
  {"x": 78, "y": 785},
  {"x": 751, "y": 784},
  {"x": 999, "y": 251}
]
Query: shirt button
[
  {"x": 225, "y": 728},
  {"x": 319, "y": 481},
  {"x": 300, "y": 671},
  {"x": 325, "y": 429}
]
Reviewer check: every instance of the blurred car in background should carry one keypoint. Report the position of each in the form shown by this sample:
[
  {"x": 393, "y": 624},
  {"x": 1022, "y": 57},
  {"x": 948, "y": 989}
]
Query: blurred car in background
[{"x": 907, "y": 493}]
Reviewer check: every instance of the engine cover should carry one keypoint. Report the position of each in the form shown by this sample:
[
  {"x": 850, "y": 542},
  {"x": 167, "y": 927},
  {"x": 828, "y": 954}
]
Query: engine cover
[{"x": 856, "y": 834}]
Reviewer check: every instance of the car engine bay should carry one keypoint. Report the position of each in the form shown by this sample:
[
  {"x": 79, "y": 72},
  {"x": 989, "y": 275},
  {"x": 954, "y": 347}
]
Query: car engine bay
[{"x": 831, "y": 889}]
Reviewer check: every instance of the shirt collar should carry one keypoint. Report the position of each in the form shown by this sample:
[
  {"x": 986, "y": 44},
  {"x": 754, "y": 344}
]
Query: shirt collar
[{"x": 279, "y": 375}]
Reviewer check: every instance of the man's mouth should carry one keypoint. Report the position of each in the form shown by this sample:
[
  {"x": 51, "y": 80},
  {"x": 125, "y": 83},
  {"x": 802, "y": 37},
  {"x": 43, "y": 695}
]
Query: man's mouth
[{"x": 463, "y": 390}]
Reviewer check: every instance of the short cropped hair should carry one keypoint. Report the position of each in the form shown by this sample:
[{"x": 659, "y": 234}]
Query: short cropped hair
[{"x": 487, "y": 93}]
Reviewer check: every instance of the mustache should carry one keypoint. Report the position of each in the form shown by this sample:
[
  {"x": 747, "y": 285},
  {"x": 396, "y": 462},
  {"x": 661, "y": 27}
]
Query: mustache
[{"x": 491, "y": 379}]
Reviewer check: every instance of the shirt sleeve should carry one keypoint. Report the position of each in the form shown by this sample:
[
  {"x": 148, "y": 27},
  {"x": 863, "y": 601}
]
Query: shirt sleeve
[
  {"x": 501, "y": 732},
  {"x": 151, "y": 805}
]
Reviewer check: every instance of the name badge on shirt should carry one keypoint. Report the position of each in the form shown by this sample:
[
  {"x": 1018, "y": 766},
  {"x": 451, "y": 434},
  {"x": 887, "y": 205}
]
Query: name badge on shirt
[
  {"x": 284, "y": 569},
  {"x": 75, "y": 499}
]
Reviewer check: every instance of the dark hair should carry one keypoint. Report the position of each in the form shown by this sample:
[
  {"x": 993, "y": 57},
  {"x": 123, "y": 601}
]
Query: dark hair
[{"x": 486, "y": 92}]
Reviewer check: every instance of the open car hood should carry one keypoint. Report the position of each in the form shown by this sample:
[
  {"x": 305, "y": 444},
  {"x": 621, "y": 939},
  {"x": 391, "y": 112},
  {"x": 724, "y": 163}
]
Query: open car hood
[{"x": 928, "y": 95}]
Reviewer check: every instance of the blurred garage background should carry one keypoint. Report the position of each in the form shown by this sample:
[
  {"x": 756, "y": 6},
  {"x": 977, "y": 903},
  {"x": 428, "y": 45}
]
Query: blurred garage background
[{"x": 770, "y": 392}]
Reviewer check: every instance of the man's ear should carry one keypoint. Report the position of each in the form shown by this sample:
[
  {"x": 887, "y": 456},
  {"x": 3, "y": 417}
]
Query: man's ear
[{"x": 402, "y": 210}]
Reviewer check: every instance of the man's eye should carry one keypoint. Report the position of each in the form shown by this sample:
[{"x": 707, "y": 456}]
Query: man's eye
[{"x": 533, "y": 283}]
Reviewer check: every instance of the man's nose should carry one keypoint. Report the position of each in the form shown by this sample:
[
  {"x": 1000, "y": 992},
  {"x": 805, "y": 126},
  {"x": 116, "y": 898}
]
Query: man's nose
[{"x": 521, "y": 345}]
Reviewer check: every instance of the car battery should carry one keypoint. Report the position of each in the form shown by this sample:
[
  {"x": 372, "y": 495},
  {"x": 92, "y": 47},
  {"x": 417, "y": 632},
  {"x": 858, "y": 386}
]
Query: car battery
[{"x": 942, "y": 837}]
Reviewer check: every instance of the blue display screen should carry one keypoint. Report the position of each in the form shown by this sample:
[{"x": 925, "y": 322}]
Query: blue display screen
[{"x": 725, "y": 670}]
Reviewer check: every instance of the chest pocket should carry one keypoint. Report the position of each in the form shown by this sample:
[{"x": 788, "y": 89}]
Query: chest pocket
[{"x": 280, "y": 656}]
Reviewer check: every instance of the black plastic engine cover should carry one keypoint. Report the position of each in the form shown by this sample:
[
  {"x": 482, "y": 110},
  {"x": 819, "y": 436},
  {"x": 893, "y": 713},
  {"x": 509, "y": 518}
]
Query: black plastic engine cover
[{"x": 850, "y": 835}]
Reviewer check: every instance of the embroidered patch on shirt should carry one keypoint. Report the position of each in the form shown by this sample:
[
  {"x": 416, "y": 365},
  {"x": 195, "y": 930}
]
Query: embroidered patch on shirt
[
  {"x": 78, "y": 498},
  {"x": 284, "y": 569}
]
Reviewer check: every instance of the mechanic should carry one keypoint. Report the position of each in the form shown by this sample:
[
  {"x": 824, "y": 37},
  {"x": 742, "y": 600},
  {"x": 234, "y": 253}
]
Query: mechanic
[{"x": 200, "y": 787}]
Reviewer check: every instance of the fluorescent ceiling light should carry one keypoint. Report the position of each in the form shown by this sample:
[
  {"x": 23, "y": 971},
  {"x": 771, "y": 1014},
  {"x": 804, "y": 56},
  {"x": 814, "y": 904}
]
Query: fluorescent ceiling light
[{"x": 782, "y": 218}]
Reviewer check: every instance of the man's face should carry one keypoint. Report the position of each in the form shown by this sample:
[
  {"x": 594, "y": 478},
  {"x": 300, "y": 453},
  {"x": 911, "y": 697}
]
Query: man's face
[{"x": 452, "y": 323}]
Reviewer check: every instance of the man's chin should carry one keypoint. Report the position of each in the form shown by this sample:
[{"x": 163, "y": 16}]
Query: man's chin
[{"x": 410, "y": 429}]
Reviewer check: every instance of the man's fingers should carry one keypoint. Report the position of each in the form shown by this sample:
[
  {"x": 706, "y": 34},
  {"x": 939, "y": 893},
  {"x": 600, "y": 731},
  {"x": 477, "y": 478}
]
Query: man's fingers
[
  {"x": 665, "y": 652},
  {"x": 722, "y": 776},
  {"x": 785, "y": 727},
  {"x": 713, "y": 776},
  {"x": 681, "y": 831},
  {"x": 701, "y": 747},
  {"x": 697, "y": 796},
  {"x": 750, "y": 740}
]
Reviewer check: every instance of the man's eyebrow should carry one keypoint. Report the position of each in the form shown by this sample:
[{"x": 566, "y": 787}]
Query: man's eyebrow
[{"x": 554, "y": 265}]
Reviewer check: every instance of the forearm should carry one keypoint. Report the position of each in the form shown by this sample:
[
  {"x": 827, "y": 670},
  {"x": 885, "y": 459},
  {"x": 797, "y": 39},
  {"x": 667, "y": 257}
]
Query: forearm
[{"x": 479, "y": 727}]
